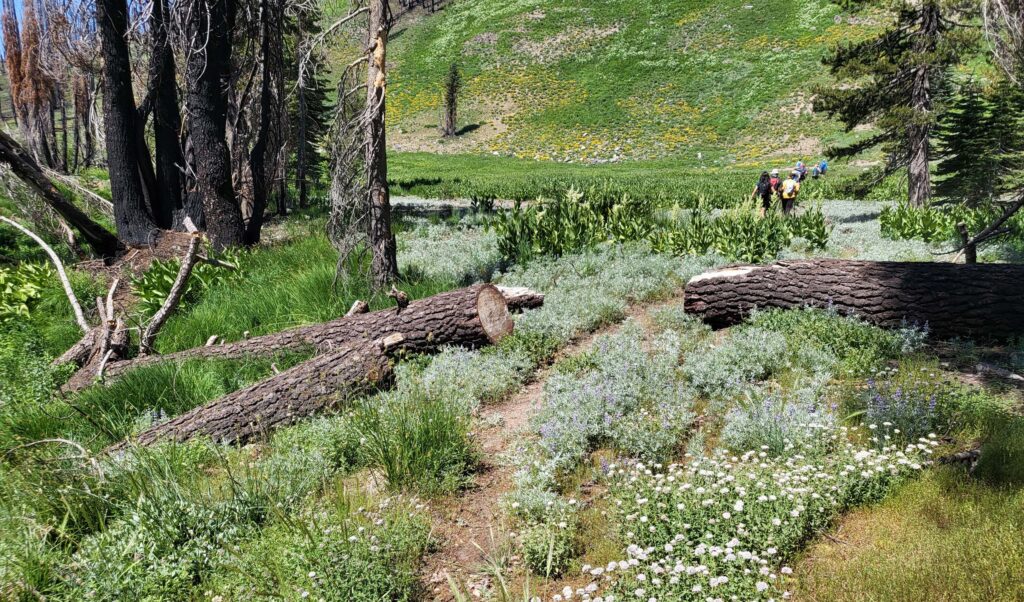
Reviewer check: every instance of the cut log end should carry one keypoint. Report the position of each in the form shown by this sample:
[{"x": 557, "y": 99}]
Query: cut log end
[{"x": 493, "y": 311}]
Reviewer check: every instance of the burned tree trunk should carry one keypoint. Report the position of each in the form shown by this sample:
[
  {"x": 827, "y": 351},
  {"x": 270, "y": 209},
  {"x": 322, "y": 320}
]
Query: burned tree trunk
[
  {"x": 469, "y": 317},
  {"x": 208, "y": 74},
  {"x": 120, "y": 119},
  {"x": 971, "y": 300},
  {"x": 162, "y": 100}
]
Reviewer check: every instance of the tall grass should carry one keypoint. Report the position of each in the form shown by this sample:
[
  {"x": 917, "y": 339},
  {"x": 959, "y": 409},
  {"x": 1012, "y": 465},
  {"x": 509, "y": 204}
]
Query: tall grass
[{"x": 943, "y": 537}]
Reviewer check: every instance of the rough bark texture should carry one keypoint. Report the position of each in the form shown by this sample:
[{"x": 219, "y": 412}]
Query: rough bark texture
[
  {"x": 321, "y": 384},
  {"x": 382, "y": 239},
  {"x": 918, "y": 173},
  {"x": 99, "y": 239},
  {"x": 470, "y": 317},
  {"x": 166, "y": 121},
  {"x": 983, "y": 301},
  {"x": 207, "y": 78},
  {"x": 120, "y": 120}
]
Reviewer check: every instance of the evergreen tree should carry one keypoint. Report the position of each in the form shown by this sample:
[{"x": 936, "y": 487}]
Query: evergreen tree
[
  {"x": 309, "y": 111},
  {"x": 981, "y": 145},
  {"x": 896, "y": 82},
  {"x": 968, "y": 168}
]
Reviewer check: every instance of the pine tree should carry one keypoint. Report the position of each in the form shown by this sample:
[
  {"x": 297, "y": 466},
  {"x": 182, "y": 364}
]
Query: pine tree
[
  {"x": 896, "y": 82},
  {"x": 1006, "y": 123},
  {"x": 309, "y": 112},
  {"x": 968, "y": 168}
]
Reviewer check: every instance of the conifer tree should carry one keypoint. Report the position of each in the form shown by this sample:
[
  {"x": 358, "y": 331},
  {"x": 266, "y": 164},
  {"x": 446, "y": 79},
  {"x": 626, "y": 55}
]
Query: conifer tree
[
  {"x": 968, "y": 170},
  {"x": 896, "y": 82},
  {"x": 309, "y": 112}
]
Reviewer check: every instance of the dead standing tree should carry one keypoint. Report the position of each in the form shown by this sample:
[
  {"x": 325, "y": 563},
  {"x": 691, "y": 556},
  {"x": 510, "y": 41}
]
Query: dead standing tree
[{"x": 360, "y": 200}]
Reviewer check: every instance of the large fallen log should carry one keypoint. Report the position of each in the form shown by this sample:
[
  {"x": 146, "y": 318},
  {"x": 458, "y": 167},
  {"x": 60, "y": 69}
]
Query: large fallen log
[
  {"x": 469, "y": 317},
  {"x": 979, "y": 300},
  {"x": 319, "y": 385},
  {"x": 354, "y": 366}
]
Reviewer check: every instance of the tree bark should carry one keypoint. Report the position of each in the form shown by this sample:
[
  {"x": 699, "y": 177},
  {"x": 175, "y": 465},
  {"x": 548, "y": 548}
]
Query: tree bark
[
  {"x": 384, "y": 263},
  {"x": 319, "y": 385},
  {"x": 131, "y": 215},
  {"x": 208, "y": 74},
  {"x": 918, "y": 169},
  {"x": 471, "y": 317},
  {"x": 266, "y": 152},
  {"x": 101, "y": 241},
  {"x": 166, "y": 120},
  {"x": 981, "y": 301}
]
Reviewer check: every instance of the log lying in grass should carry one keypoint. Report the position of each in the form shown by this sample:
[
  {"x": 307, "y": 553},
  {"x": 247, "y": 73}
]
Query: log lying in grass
[
  {"x": 355, "y": 365},
  {"x": 319, "y": 385},
  {"x": 470, "y": 317},
  {"x": 980, "y": 300},
  {"x": 520, "y": 298}
]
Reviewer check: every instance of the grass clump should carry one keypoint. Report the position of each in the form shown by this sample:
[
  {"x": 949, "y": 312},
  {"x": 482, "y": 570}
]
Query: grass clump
[{"x": 944, "y": 536}]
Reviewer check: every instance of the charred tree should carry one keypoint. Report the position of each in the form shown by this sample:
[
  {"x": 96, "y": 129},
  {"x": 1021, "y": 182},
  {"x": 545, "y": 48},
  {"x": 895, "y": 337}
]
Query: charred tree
[
  {"x": 208, "y": 27},
  {"x": 982, "y": 301},
  {"x": 120, "y": 118},
  {"x": 24, "y": 166},
  {"x": 450, "y": 101}
]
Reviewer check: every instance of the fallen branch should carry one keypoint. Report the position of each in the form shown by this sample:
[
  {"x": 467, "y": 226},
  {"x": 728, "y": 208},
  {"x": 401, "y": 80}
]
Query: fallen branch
[
  {"x": 173, "y": 298},
  {"x": 75, "y": 306}
]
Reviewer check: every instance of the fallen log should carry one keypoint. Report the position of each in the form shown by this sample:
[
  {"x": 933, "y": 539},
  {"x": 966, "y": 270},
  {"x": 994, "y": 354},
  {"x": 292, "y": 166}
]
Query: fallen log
[
  {"x": 520, "y": 298},
  {"x": 977, "y": 300},
  {"x": 469, "y": 317},
  {"x": 318, "y": 385}
]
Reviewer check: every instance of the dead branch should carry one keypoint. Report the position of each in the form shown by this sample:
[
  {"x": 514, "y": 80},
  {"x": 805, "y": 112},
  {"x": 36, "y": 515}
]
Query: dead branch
[
  {"x": 173, "y": 298},
  {"x": 75, "y": 306}
]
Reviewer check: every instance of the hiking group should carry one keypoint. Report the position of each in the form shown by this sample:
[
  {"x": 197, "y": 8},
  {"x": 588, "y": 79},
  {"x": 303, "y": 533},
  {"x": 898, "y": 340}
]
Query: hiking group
[{"x": 770, "y": 185}]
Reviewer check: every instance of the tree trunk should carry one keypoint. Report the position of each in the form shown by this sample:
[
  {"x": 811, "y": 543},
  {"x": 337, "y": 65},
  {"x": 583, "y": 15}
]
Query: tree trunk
[
  {"x": 270, "y": 138},
  {"x": 101, "y": 241},
  {"x": 384, "y": 263},
  {"x": 163, "y": 102},
  {"x": 319, "y": 385},
  {"x": 470, "y": 317},
  {"x": 982, "y": 301},
  {"x": 134, "y": 224},
  {"x": 918, "y": 169},
  {"x": 302, "y": 132},
  {"x": 208, "y": 74}
]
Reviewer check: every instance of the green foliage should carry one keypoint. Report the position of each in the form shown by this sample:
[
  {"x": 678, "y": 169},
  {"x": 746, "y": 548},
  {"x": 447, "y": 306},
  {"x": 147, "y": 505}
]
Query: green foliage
[
  {"x": 21, "y": 288},
  {"x": 981, "y": 145},
  {"x": 549, "y": 547},
  {"x": 939, "y": 223},
  {"x": 882, "y": 72},
  {"x": 571, "y": 224},
  {"x": 153, "y": 286},
  {"x": 420, "y": 442},
  {"x": 353, "y": 549}
]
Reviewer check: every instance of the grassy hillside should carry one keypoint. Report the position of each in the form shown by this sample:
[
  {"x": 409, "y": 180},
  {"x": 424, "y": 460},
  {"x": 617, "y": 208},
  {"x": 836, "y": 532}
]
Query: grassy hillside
[{"x": 621, "y": 79}]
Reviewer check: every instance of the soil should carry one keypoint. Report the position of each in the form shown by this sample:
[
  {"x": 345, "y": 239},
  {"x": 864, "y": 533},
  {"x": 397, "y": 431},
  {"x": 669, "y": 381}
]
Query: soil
[{"x": 470, "y": 527}]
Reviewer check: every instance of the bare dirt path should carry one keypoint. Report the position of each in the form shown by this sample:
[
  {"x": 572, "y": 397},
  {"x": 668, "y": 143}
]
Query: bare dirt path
[{"x": 470, "y": 527}]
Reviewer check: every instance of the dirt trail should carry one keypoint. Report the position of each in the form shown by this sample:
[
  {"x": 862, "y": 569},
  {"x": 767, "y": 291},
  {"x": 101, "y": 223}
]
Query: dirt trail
[{"x": 471, "y": 526}]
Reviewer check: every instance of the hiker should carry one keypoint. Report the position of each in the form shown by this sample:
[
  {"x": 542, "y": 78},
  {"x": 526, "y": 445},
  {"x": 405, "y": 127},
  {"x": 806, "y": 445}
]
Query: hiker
[
  {"x": 820, "y": 169},
  {"x": 801, "y": 171},
  {"x": 765, "y": 190},
  {"x": 788, "y": 191},
  {"x": 775, "y": 180}
]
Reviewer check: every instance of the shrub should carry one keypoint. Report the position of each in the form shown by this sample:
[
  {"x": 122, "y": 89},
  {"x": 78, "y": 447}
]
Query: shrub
[
  {"x": 21, "y": 288},
  {"x": 420, "y": 442},
  {"x": 725, "y": 526},
  {"x": 550, "y": 546},
  {"x": 746, "y": 355},
  {"x": 777, "y": 426},
  {"x": 152, "y": 286}
]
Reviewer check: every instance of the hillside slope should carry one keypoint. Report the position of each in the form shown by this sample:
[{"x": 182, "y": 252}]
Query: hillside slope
[{"x": 588, "y": 81}]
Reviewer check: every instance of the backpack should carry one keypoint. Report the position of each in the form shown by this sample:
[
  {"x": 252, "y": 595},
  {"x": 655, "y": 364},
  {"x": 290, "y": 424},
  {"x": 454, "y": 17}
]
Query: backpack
[
  {"x": 765, "y": 188},
  {"x": 775, "y": 183},
  {"x": 789, "y": 189}
]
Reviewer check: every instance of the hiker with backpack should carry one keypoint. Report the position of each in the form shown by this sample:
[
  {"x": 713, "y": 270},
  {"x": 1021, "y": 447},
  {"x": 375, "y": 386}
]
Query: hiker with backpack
[
  {"x": 801, "y": 171},
  {"x": 788, "y": 191},
  {"x": 765, "y": 190},
  {"x": 820, "y": 169}
]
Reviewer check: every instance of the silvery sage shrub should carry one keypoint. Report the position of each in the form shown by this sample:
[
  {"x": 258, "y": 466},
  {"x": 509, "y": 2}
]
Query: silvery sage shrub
[
  {"x": 778, "y": 426},
  {"x": 745, "y": 356},
  {"x": 632, "y": 400},
  {"x": 462, "y": 255},
  {"x": 479, "y": 377}
]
